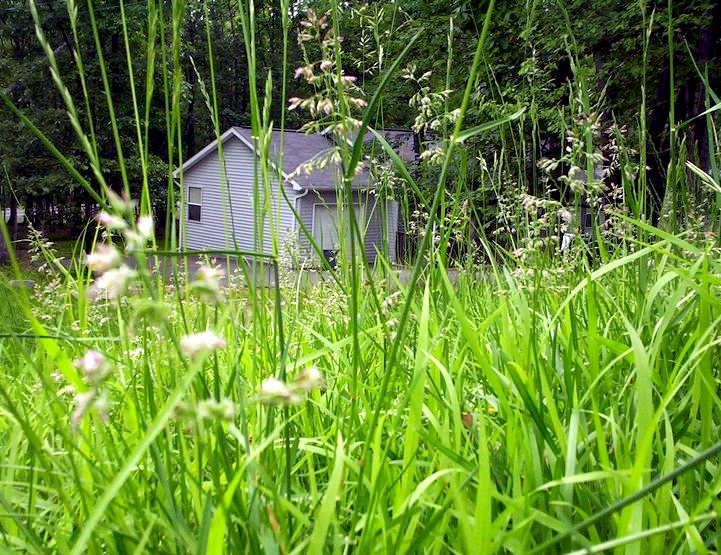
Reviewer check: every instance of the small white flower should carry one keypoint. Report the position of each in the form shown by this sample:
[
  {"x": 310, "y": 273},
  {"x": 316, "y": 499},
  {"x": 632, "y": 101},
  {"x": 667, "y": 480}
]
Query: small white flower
[
  {"x": 145, "y": 227},
  {"x": 90, "y": 361},
  {"x": 308, "y": 379},
  {"x": 115, "y": 282},
  {"x": 274, "y": 392},
  {"x": 326, "y": 65},
  {"x": 273, "y": 387},
  {"x": 94, "y": 366},
  {"x": 103, "y": 259},
  {"x": 325, "y": 105},
  {"x": 101, "y": 406},
  {"x": 83, "y": 401},
  {"x": 202, "y": 342},
  {"x": 358, "y": 102},
  {"x": 223, "y": 410},
  {"x": 206, "y": 282},
  {"x": 111, "y": 222}
]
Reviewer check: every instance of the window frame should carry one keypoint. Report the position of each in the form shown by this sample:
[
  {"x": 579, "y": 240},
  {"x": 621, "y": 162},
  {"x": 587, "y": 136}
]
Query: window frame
[{"x": 199, "y": 205}]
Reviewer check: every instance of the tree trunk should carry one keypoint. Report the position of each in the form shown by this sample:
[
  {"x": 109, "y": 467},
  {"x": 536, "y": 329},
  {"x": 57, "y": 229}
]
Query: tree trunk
[
  {"x": 704, "y": 53},
  {"x": 13, "y": 220}
]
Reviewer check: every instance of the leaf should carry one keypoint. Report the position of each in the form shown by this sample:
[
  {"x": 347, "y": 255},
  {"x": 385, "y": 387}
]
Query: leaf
[
  {"x": 478, "y": 129},
  {"x": 705, "y": 178},
  {"x": 327, "y": 506},
  {"x": 400, "y": 166}
]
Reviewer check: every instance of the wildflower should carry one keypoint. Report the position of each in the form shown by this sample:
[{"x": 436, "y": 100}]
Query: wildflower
[
  {"x": 390, "y": 301},
  {"x": 145, "y": 227},
  {"x": 105, "y": 257},
  {"x": 111, "y": 222},
  {"x": 115, "y": 282},
  {"x": 94, "y": 366},
  {"x": 274, "y": 392},
  {"x": 138, "y": 240},
  {"x": 348, "y": 80},
  {"x": 83, "y": 402},
  {"x": 306, "y": 72},
  {"x": 223, "y": 410},
  {"x": 308, "y": 379},
  {"x": 324, "y": 105},
  {"x": 326, "y": 65},
  {"x": 202, "y": 342},
  {"x": 206, "y": 282},
  {"x": 358, "y": 102}
]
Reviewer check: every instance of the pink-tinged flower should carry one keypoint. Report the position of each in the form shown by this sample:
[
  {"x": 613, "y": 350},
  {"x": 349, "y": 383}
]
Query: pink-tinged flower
[
  {"x": 325, "y": 105},
  {"x": 203, "y": 342},
  {"x": 94, "y": 366},
  {"x": 275, "y": 392},
  {"x": 111, "y": 222},
  {"x": 83, "y": 402},
  {"x": 105, "y": 257},
  {"x": 358, "y": 102},
  {"x": 90, "y": 361},
  {"x": 326, "y": 65},
  {"x": 306, "y": 72},
  {"x": 115, "y": 282},
  {"x": 294, "y": 102},
  {"x": 308, "y": 379},
  {"x": 145, "y": 227}
]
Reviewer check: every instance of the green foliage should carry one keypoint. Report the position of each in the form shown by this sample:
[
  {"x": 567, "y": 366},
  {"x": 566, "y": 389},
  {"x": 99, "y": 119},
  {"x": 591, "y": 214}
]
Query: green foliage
[{"x": 496, "y": 395}]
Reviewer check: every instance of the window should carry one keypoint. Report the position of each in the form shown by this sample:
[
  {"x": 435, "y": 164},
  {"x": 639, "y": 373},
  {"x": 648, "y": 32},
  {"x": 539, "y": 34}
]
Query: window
[
  {"x": 195, "y": 201},
  {"x": 589, "y": 222}
]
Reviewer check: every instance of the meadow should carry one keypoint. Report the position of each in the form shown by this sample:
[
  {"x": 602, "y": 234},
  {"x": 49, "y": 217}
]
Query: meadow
[{"x": 503, "y": 398}]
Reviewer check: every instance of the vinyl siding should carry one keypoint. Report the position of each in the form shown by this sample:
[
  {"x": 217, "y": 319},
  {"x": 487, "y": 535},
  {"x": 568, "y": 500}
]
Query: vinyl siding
[
  {"x": 219, "y": 217},
  {"x": 373, "y": 224}
]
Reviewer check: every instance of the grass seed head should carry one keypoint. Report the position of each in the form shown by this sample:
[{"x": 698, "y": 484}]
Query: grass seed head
[{"x": 199, "y": 343}]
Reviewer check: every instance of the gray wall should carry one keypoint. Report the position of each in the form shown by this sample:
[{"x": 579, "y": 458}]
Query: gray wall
[
  {"x": 374, "y": 229},
  {"x": 214, "y": 230}
]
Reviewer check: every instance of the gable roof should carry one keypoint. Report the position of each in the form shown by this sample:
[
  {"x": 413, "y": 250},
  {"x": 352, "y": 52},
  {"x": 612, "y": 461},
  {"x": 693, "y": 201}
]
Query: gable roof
[
  {"x": 298, "y": 148},
  {"x": 401, "y": 140}
]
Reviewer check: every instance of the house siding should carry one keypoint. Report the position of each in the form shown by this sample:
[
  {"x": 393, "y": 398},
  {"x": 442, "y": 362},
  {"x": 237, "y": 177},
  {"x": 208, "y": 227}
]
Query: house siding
[
  {"x": 374, "y": 229},
  {"x": 218, "y": 220}
]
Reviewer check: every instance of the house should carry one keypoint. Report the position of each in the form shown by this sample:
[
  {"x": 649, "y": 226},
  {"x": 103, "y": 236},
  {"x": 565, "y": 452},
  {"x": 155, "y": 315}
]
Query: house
[
  {"x": 588, "y": 214},
  {"x": 232, "y": 209}
]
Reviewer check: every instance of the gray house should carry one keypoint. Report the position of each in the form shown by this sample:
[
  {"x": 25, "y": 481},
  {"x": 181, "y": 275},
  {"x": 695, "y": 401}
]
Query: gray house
[{"x": 239, "y": 209}]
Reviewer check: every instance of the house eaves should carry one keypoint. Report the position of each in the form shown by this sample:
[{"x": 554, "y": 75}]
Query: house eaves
[{"x": 213, "y": 147}]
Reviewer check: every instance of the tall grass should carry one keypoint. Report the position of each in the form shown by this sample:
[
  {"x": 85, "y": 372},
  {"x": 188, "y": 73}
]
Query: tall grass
[{"x": 546, "y": 405}]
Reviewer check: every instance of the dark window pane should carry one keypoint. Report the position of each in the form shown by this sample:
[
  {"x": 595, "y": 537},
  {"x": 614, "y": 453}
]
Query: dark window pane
[{"x": 194, "y": 212}]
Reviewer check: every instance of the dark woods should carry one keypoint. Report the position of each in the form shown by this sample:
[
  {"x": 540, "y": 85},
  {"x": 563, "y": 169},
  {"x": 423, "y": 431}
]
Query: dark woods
[{"x": 542, "y": 55}]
